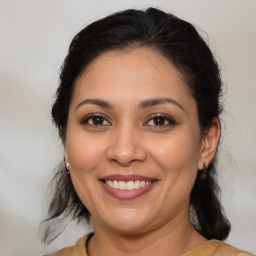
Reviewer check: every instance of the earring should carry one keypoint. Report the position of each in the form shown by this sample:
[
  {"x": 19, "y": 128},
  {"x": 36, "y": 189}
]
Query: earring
[
  {"x": 66, "y": 167},
  {"x": 205, "y": 167}
]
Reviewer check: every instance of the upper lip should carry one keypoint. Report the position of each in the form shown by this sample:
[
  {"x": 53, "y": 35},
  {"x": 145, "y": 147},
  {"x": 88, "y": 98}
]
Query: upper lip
[{"x": 127, "y": 178}]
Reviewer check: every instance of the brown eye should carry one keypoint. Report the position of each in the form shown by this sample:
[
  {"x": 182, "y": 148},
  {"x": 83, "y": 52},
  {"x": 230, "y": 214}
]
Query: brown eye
[
  {"x": 160, "y": 120},
  {"x": 96, "y": 120}
]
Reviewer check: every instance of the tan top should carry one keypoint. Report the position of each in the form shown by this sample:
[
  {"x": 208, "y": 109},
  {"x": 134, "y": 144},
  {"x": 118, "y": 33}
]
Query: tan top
[{"x": 209, "y": 248}]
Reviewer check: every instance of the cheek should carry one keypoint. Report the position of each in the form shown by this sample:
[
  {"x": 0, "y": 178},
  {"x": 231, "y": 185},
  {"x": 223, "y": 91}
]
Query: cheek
[
  {"x": 177, "y": 156},
  {"x": 83, "y": 152},
  {"x": 177, "y": 151}
]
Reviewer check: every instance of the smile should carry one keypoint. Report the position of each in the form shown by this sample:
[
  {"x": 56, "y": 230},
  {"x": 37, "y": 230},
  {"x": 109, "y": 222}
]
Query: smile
[
  {"x": 127, "y": 187},
  {"x": 130, "y": 185}
]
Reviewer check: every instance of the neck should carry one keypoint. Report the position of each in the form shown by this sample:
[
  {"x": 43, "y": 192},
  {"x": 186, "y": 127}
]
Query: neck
[{"x": 169, "y": 240}]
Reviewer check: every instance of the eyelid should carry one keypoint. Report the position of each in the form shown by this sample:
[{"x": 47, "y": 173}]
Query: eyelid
[
  {"x": 170, "y": 119},
  {"x": 91, "y": 115}
]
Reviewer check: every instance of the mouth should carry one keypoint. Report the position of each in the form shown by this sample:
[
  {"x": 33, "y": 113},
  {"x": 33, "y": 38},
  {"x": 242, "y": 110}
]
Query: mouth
[{"x": 128, "y": 186}]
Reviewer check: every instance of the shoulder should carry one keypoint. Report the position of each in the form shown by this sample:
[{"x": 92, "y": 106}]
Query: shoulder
[
  {"x": 63, "y": 252},
  {"x": 216, "y": 248},
  {"x": 226, "y": 250},
  {"x": 79, "y": 249}
]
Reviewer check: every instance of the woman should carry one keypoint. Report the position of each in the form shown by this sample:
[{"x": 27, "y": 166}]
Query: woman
[{"x": 138, "y": 110}]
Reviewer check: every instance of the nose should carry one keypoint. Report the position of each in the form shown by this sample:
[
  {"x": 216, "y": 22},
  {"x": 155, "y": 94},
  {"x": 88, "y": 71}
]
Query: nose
[{"x": 126, "y": 147}]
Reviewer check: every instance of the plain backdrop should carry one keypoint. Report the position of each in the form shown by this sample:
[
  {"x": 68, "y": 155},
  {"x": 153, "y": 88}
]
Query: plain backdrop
[{"x": 34, "y": 38}]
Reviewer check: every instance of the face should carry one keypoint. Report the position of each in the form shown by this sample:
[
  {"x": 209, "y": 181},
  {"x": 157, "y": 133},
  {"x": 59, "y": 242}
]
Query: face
[{"x": 133, "y": 141}]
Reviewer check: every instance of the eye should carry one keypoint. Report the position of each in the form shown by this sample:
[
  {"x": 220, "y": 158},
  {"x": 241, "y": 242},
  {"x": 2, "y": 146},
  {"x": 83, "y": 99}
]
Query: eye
[
  {"x": 160, "y": 120},
  {"x": 96, "y": 120}
]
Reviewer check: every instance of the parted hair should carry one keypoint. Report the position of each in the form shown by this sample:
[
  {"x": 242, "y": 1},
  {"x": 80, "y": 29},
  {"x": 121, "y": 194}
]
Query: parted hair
[{"x": 181, "y": 44}]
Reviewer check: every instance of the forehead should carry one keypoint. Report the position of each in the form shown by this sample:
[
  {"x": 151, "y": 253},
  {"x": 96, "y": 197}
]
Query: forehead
[{"x": 139, "y": 73}]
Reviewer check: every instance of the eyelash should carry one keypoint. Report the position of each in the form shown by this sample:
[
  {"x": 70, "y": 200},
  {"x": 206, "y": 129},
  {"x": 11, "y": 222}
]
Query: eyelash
[
  {"x": 102, "y": 119},
  {"x": 164, "y": 118},
  {"x": 93, "y": 117}
]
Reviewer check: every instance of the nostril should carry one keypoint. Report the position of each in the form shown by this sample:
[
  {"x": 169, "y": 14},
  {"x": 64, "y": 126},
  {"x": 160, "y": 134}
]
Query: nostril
[{"x": 126, "y": 149}]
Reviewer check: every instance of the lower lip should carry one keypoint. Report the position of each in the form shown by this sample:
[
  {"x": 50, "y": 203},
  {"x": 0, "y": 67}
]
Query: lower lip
[{"x": 127, "y": 194}]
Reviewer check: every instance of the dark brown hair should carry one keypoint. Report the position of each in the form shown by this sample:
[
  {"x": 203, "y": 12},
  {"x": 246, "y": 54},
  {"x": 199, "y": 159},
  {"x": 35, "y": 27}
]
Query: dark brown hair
[{"x": 182, "y": 45}]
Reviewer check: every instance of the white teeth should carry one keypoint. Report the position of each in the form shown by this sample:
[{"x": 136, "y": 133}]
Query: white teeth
[
  {"x": 109, "y": 183},
  {"x": 121, "y": 185},
  {"x": 137, "y": 184},
  {"x": 115, "y": 184},
  {"x": 130, "y": 185}
]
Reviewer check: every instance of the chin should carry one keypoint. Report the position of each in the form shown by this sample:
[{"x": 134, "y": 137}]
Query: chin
[
  {"x": 129, "y": 228},
  {"x": 128, "y": 222}
]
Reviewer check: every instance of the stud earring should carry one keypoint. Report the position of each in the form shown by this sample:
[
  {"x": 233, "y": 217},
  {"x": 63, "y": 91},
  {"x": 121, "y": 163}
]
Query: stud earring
[
  {"x": 205, "y": 167},
  {"x": 66, "y": 167}
]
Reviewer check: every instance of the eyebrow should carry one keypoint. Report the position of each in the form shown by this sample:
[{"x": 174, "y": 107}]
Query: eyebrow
[
  {"x": 144, "y": 104},
  {"x": 98, "y": 102},
  {"x": 158, "y": 101}
]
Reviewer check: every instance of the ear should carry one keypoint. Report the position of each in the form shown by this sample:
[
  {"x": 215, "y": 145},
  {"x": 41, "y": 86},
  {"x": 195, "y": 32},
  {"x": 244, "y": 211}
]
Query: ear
[
  {"x": 209, "y": 143},
  {"x": 62, "y": 137},
  {"x": 65, "y": 156}
]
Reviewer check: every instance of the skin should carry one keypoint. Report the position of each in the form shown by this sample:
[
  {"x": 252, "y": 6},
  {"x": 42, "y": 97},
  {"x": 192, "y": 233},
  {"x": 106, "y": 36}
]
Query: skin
[{"x": 126, "y": 140}]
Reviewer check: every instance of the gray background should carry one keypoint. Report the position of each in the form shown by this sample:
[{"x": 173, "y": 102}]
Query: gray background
[{"x": 34, "y": 38}]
